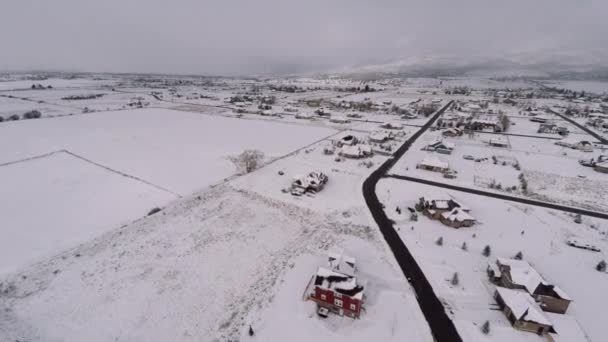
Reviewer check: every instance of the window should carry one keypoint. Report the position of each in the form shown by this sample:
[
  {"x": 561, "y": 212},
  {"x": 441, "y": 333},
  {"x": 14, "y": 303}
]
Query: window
[
  {"x": 338, "y": 303},
  {"x": 353, "y": 307},
  {"x": 337, "y": 295},
  {"x": 323, "y": 297}
]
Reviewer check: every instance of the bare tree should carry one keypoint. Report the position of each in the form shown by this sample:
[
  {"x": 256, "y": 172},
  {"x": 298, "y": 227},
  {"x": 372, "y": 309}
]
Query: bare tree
[{"x": 248, "y": 161}]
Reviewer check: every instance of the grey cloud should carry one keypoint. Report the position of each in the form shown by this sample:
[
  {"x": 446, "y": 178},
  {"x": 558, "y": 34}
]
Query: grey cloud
[{"x": 269, "y": 36}]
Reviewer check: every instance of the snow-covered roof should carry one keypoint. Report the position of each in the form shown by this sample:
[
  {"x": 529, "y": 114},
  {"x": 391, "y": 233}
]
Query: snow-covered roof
[
  {"x": 380, "y": 135},
  {"x": 457, "y": 214},
  {"x": 523, "y": 306},
  {"x": 342, "y": 263},
  {"x": 434, "y": 162},
  {"x": 603, "y": 165},
  {"x": 523, "y": 274},
  {"x": 339, "y": 282},
  {"x": 356, "y": 150}
]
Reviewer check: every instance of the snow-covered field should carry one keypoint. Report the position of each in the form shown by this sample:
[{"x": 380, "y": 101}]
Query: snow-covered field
[
  {"x": 55, "y": 202},
  {"x": 121, "y": 164},
  {"x": 176, "y": 150},
  {"x": 81, "y": 261}
]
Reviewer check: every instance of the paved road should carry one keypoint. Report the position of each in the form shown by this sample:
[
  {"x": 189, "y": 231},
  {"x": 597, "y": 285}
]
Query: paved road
[
  {"x": 441, "y": 325},
  {"x": 505, "y": 197},
  {"x": 601, "y": 139}
]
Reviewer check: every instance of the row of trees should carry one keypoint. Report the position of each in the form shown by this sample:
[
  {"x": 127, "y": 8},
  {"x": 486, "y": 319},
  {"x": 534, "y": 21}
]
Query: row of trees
[{"x": 32, "y": 114}]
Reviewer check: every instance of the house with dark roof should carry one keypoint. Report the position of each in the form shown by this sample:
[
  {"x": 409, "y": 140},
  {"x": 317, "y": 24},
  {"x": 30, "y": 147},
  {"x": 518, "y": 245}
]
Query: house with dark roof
[{"x": 518, "y": 274}]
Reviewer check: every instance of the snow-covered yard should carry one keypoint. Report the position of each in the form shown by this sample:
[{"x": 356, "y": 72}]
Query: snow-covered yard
[{"x": 508, "y": 228}]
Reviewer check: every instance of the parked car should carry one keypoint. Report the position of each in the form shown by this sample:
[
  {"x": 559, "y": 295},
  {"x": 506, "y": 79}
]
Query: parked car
[{"x": 468, "y": 157}]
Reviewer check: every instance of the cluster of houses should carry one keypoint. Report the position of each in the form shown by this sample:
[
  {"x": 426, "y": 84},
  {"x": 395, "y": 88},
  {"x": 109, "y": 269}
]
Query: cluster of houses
[
  {"x": 310, "y": 183},
  {"x": 552, "y": 128},
  {"x": 447, "y": 211},
  {"x": 529, "y": 302},
  {"x": 600, "y": 164},
  {"x": 335, "y": 287}
]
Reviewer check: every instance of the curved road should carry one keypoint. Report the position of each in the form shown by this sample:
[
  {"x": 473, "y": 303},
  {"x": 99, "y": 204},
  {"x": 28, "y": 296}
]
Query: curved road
[{"x": 441, "y": 325}]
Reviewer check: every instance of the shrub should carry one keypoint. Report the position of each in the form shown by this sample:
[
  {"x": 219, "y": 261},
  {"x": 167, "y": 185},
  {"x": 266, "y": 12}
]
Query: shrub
[
  {"x": 518, "y": 256},
  {"x": 13, "y": 117},
  {"x": 464, "y": 246},
  {"x": 485, "y": 328},
  {"x": 33, "y": 114},
  {"x": 487, "y": 251},
  {"x": 439, "y": 241},
  {"x": 601, "y": 266},
  {"x": 455, "y": 280}
]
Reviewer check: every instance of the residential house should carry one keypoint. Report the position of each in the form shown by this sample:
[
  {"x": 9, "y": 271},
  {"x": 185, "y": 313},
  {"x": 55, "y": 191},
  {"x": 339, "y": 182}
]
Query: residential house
[
  {"x": 573, "y": 143},
  {"x": 433, "y": 164},
  {"x": 440, "y": 146},
  {"x": 522, "y": 311},
  {"x": 601, "y": 167},
  {"x": 336, "y": 287},
  {"x": 434, "y": 208},
  {"x": 381, "y": 136},
  {"x": 389, "y": 125},
  {"x": 452, "y": 132},
  {"x": 356, "y": 151},
  {"x": 340, "y": 120},
  {"x": 552, "y": 128},
  {"x": 313, "y": 182},
  {"x": 457, "y": 218},
  {"x": 498, "y": 142},
  {"x": 518, "y": 274}
]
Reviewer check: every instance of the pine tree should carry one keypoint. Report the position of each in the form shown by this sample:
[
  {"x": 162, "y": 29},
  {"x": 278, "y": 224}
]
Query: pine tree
[
  {"x": 485, "y": 328},
  {"x": 601, "y": 266},
  {"x": 455, "y": 279},
  {"x": 518, "y": 256},
  {"x": 464, "y": 246},
  {"x": 439, "y": 241},
  {"x": 487, "y": 251},
  {"x": 251, "y": 333}
]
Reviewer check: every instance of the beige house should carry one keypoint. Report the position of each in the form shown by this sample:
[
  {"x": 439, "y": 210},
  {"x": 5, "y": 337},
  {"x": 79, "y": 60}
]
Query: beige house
[
  {"x": 522, "y": 311},
  {"x": 518, "y": 274}
]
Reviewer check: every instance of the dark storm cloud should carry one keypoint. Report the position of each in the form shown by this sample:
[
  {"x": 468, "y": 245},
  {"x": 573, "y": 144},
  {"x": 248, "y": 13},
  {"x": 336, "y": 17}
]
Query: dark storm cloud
[{"x": 266, "y": 36}]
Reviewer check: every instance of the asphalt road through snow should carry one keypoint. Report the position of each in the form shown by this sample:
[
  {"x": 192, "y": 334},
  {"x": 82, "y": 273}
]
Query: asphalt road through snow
[{"x": 441, "y": 325}]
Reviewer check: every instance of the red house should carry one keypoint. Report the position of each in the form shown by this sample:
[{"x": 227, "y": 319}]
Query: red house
[{"x": 336, "y": 287}]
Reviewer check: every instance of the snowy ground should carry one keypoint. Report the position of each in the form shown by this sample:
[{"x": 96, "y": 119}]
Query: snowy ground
[
  {"x": 227, "y": 252},
  {"x": 124, "y": 162},
  {"x": 42, "y": 212},
  {"x": 500, "y": 226}
]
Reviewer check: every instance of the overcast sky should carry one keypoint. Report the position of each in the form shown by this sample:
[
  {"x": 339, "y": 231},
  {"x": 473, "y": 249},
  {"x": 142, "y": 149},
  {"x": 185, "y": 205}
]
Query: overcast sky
[{"x": 272, "y": 36}]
